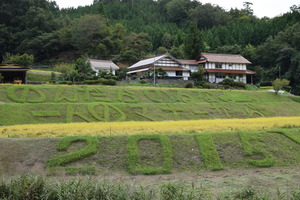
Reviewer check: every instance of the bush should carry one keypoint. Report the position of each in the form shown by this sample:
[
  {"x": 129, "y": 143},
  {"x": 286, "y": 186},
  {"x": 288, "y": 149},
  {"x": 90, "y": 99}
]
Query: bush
[
  {"x": 189, "y": 85},
  {"x": 108, "y": 82},
  {"x": 65, "y": 82},
  {"x": 239, "y": 85},
  {"x": 206, "y": 85},
  {"x": 227, "y": 81},
  {"x": 91, "y": 82},
  {"x": 143, "y": 82}
]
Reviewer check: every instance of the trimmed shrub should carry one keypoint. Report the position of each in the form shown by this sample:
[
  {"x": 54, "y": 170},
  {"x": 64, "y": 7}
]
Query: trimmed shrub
[
  {"x": 143, "y": 82},
  {"x": 91, "y": 82},
  {"x": 227, "y": 81},
  {"x": 206, "y": 85},
  {"x": 189, "y": 85},
  {"x": 108, "y": 81},
  {"x": 239, "y": 85}
]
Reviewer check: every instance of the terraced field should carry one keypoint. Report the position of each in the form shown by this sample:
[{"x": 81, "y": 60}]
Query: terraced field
[
  {"x": 66, "y": 104},
  {"x": 118, "y": 132}
]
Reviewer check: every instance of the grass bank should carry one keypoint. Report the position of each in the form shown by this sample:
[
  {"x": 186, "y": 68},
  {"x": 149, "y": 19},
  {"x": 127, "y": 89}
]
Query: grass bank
[{"x": 151, "y": 154}]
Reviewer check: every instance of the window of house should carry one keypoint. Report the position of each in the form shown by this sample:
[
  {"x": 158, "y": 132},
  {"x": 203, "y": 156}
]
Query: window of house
[
  {"x": 220, "y": 76},
  {"x": 178, "y": 73},
  {"x": 232, "y": 76},
  {"x": 219, "y": 66}
]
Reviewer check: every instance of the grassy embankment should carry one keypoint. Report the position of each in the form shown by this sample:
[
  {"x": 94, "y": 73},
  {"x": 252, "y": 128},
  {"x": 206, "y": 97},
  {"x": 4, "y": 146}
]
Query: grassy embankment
[
  {"x": 151, "y": 154},
  {"x": 66, "y": 104}
]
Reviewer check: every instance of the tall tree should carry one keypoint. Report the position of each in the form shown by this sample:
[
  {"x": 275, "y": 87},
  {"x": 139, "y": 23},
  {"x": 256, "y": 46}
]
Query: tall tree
[{"x": 193, "y": 44}]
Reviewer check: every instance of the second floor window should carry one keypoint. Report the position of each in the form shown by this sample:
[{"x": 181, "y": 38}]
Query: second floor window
[{"x": 219, "y": 66}]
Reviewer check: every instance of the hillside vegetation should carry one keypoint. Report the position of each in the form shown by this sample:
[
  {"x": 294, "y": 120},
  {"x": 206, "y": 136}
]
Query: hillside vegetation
[{"x": 65, "y": 104}]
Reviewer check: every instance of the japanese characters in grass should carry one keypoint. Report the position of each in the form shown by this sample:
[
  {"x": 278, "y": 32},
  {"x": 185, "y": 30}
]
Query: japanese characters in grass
[
  {"x": 254, "y": 153},
  {"x": 86, "y": 94}
]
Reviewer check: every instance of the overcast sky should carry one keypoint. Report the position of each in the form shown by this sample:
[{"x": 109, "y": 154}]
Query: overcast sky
[{"x": 269, "y": 8}]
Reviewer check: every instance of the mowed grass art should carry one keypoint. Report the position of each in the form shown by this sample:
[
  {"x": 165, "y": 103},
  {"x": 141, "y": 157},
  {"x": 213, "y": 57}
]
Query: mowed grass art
[
  {"x": 135, "y": 128},
  {"x": 74, "y": 104}
]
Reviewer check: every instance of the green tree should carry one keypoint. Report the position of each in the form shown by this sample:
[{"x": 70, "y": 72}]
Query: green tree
[
  {"x": 84, "y": 69},
  {"x": 279, "y": 84},
  {"x": 162, "y": 50},
  {"x": 24, "y": 59},
  {"x": 208, "y": 15},
  {"x": 198, "y": 75},
  {"x": 53, "y": 77},
  {"x": 177, "y": 10},
  {"x": 89, "y": 31},
  {"x": 73, "y": 75},
  {"x": 247, "y": 8},
  {"x": 64, "y": 68},
  {"x": 161, "y": 73},
  {"x": 193, "y": 44}
]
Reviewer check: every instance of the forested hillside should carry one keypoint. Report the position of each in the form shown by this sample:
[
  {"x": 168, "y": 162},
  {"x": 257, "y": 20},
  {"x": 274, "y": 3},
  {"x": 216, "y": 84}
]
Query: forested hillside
[{"x": 127, "y": 31}]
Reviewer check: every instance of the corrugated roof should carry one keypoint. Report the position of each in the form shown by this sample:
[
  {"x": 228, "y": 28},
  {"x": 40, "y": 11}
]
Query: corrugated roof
[
  {"x": 225, "y": 58},
  {"x": 103, "y": 64},
  {"x": 150, "y": 61},
  {"x": 139, "y": 70}
]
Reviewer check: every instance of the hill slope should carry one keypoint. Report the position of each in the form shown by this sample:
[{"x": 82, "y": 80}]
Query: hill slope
[
  {"x": 64, "y": 104},
  {"x": 150, "y": 154}
]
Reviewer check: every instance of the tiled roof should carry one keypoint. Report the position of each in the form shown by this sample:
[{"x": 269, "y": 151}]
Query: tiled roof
[
  {"x": 103, "y": 64},
  {"x": 225, "y": 58},
  {"x": 188, "y": 62}
]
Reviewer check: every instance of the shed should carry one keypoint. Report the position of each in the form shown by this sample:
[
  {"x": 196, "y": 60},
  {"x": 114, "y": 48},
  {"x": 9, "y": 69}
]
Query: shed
[
  {"x": 13, "y": 73},
  {"x": 98, "y": 65}
]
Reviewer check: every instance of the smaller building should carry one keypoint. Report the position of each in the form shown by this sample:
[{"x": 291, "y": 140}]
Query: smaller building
[
  {"x": 107, "y": 65},
  {"x": 13, "y": 73},
  {"x": 168, "y": 63},
  {"x": 220, "y": 66}
]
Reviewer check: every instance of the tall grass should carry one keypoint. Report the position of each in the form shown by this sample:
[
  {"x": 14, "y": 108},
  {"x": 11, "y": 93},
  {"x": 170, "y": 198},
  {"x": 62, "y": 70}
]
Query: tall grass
[{"x": 36, "y": 188}]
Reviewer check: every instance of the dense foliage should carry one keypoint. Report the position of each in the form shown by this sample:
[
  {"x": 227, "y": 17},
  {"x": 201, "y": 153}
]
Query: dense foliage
[{"x": 127, "y": 31}]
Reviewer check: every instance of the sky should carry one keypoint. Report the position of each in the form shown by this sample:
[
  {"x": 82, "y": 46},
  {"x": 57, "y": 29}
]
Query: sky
[{"x": 261, "y": 8}]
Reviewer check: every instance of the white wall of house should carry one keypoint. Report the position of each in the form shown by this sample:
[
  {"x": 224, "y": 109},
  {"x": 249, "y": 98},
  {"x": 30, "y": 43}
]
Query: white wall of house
[
  {"x": 217, "y": 78},
  {"x": 171, "y": 73},
  {"x": 108, "y": 70},
  {"x": 228, "y": 66},
  {"x": 186, "y": 75},
  {"x": 167, "y": 62},
  {"x": 193, "y": 68}
]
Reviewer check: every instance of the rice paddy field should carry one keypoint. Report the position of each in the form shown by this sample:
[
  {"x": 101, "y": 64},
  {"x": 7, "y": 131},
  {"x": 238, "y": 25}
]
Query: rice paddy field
[{"x": 178, "y": 143}]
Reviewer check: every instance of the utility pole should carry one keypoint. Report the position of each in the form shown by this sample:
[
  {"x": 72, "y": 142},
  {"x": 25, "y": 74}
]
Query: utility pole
[{"x": 154, "y": 81}]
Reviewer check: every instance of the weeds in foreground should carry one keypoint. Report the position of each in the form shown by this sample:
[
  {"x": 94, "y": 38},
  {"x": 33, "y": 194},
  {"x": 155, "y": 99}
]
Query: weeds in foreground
[{"x": 29, "y": 187}]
